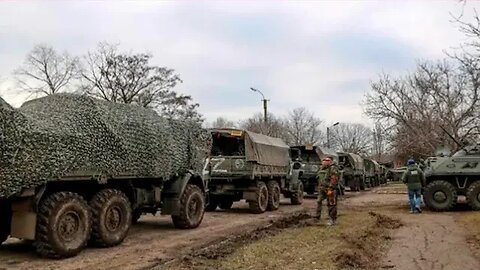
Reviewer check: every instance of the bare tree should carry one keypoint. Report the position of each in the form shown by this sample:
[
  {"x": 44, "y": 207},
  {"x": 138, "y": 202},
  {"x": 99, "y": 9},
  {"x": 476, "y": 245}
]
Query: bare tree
[
  {"x": 130, "y": 78},
  {"x": 222, "y": 122},
  {"x": 441, "y": 94},
  {"x": 302, "y": 127},
  {"x": 46, "y": 71},
  {"x": 352, "y": 138},
  {"x": 380, "y": 141},
  {"x": 273, "y": 127}
]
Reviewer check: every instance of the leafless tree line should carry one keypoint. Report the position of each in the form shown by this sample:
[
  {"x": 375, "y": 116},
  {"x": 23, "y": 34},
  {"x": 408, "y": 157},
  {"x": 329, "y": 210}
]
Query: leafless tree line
[
  {"x": 109, "y": 74},
  {"x": 301, "y": 127},
  {"x": 439, "y": 95}
]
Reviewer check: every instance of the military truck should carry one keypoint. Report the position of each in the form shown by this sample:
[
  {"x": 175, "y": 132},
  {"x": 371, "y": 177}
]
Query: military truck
[
  {"x": 449, "y": 177},
  {"x": 379, "y": 173},
  {"x": 352, "y": 168},
  {"x": 244, "y": 165},
  {"x": 311, "y": 156},
  {"x": 75, "y": 169},
  {"x": 370, "y": 174},
  {"x": 382, "y": 175}
]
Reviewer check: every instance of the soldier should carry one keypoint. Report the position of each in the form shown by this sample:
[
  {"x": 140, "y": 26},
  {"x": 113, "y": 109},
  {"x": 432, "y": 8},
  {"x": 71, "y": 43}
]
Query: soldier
[
  {"x": 414, "y": 178},
  {"x": 327, "y": 189}
]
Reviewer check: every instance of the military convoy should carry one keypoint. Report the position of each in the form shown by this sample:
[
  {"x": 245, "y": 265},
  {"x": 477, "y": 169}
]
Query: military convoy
[
  {"x": 77, "y": 170},
  {"x": 356, "y": 172},
  {"x": 248, "y": 166}
]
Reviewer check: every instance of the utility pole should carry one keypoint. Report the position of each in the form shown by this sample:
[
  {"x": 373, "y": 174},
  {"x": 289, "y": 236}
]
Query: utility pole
[
  {"x": 265, "y": 113},
  {"x": 328, "y": 133}
]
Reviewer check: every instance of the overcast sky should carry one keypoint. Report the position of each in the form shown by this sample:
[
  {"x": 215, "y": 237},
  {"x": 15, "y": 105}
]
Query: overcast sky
[{"x": 319, "y": 55}]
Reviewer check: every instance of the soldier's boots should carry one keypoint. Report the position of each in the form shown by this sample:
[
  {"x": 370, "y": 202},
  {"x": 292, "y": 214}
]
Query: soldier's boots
[{"x": 331, "y": 222}]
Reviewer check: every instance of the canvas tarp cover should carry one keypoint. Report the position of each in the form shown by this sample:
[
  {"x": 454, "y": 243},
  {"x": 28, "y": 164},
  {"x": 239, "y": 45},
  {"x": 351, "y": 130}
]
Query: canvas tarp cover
[
  {"x": 358, "y": 161},
  {"x": 266, "y": 150},
  {"x": 326, "y": 152}
]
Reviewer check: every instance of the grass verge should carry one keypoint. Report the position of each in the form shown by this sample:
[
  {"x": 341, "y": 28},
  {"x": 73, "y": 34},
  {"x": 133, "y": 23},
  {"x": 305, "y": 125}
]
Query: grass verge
[{"x": 357, "y": 242}]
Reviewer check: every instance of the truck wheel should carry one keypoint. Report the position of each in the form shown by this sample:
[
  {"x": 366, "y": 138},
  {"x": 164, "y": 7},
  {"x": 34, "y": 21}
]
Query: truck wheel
[
  {"x": 212, "y": 204},
  {"x": 273, "y": 195},
  {"x": 111, "y": 216},
  {"x": 192, "y": 208},
  {"x": 296, "y": 198},
  {"x": 440, "y": 196},
  {"x": 63, "y": 225},
  {"x": 473, "y": 195},
  {"x": 5, "y": 221},
  {"x": 225, "y": 204},
  {"x": 259, "y": 205}
]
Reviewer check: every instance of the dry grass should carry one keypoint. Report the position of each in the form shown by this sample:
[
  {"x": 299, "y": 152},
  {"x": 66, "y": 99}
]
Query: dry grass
[{"x": 358, "y": 242}]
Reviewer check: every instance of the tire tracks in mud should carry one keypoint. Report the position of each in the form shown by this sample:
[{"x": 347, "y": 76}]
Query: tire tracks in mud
[{"x": 430, "y": 241}]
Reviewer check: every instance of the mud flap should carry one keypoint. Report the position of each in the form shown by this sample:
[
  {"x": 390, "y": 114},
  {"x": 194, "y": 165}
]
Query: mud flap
[
  {"x": 24, "y": 219},
  {"x": 172, "y": 193}
]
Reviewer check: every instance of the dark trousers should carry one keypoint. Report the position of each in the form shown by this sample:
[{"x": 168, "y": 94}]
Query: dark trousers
[{"x": 331, "y": 203}]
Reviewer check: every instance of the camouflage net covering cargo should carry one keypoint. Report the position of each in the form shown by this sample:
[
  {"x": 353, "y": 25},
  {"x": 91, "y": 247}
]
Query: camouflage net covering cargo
[{"x": 66, "y": 134}]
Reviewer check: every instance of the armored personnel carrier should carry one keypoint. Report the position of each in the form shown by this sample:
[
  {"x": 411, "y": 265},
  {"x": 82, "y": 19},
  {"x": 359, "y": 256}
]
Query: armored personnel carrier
[{"x": 449, "y": 177}]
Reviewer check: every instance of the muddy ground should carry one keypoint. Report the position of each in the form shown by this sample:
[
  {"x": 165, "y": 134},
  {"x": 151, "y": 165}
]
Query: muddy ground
[{"x": 426, "y": 241}]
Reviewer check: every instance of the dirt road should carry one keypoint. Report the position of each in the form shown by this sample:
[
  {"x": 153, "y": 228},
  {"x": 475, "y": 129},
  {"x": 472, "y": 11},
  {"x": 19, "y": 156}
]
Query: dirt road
[
  {"x": 428, "y": 241},
  {"x": 150, "y": 242}
]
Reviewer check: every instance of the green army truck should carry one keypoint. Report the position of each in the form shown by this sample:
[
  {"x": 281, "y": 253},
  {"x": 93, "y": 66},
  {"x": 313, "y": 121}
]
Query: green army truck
[
  {"x": 353, "y": 170},
  {"x": 244, "y": 165},
  {"x": 370, "y": 174},
  {"x": 383, "y": 171},
  {"x": 311, "y": 159},
  {"x": 77, "y": 170}
]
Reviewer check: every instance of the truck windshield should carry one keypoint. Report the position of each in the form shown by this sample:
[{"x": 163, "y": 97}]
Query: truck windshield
[
  {"x": 227, "y": 145},
  {"x": 310, "y": 157}
]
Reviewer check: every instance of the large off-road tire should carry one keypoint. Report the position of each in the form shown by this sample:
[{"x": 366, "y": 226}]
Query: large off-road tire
[
  {"x": 64, "y": 224},
  {"x": 225, "y": 204},
  {"x": 473, "y": 195},
  {"x": 212, "y": 204},
  {"x": 296, "y": 197},
  {"x": 192, "y": 208},
  {"x": 440, "y": 196},
  {"x": 111, "y": 217},
  {"x": 5, "y": 221},
  {"x": 259, "y": 205},
  {"x": 361, "y": 184},
  {"x": 274, "y": 192}
]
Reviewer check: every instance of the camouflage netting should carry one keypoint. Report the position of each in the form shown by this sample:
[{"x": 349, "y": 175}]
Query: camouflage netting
[{"x": 67, "y": 134}]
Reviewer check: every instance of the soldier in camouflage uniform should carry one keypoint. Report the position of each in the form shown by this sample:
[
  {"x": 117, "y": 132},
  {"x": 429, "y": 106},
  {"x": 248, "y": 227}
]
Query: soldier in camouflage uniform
[{"x": 327, "y": 189}]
